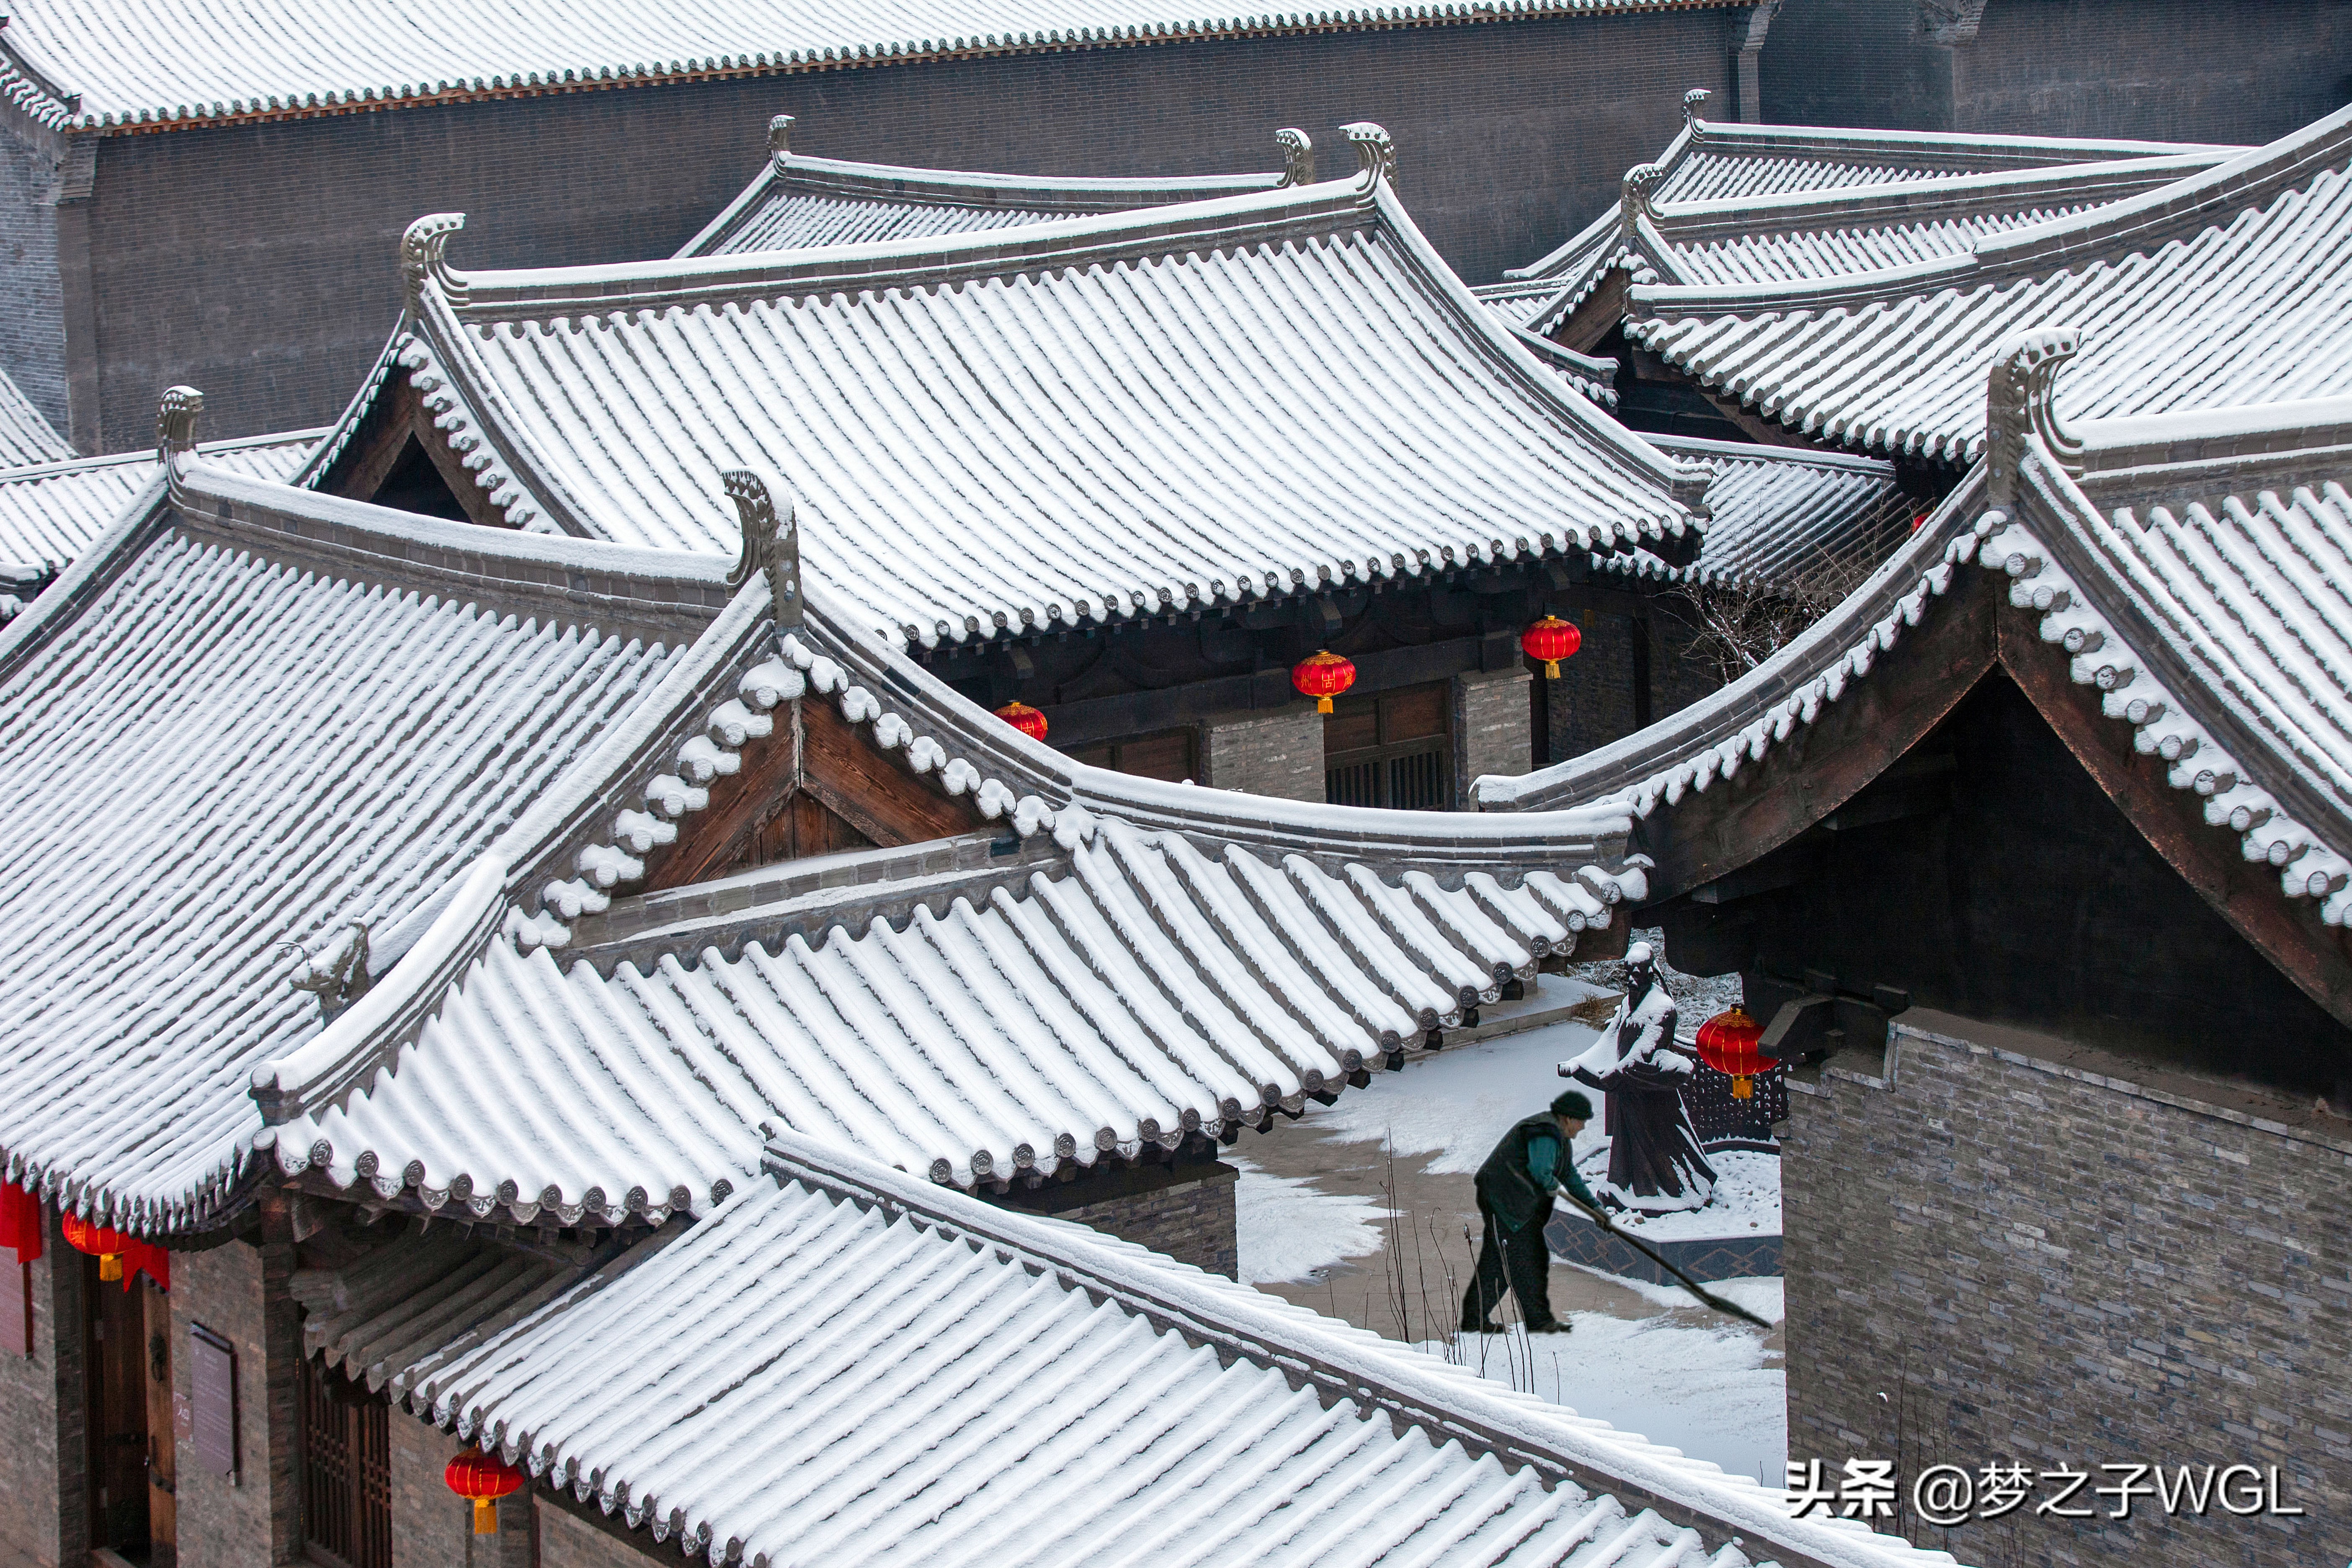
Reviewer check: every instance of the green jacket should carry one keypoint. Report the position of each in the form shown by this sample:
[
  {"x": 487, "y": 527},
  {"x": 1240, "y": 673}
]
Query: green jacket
[{"x": 1518, "y": 1180}]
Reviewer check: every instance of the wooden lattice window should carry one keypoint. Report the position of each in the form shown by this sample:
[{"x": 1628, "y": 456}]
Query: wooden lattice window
[
  {"x": 1167, "y": 755},
  {"x": 1393, "y": 748},
  {"x": 346, "y": 1471}
]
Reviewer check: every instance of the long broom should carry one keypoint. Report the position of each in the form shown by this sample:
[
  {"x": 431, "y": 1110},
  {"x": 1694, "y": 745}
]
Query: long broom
[{"x": 1706, "y": 1296}]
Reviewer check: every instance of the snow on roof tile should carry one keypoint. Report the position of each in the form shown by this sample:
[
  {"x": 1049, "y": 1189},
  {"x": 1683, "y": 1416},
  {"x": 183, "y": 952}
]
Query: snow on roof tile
[
  {"x": 1063, "y": 424},
  {"x": 931, "y": 1362},
  {"x": 1756, "y": 204},
  {"x": 2218, "y": 288},
  {"x": 1781, "y": 515},
  {"x": 1001, "y": 1019},
  {"x": 2187, "y": 565},
  {"x": 50, "y": 511},
  {"x": 966, "y": 1008},
  {"x": 232, "y": 726},
  {"x": 25, "y": 436},
  {"x": 797, "y": 202},
  {"x": 99, "y": 63}
]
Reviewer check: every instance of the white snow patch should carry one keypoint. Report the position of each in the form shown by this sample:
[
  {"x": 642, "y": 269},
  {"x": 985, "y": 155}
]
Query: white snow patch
[
  {"x": 1761, "y": 1295},
  {"x": 1746, "y": 1200},
  {"x": 1455, "y": 1104},
  {"x": 1289, "y": 1230},
  {"x": 1703, "y": 1390}
]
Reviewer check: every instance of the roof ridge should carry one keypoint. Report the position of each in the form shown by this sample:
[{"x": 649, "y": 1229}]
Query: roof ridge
[
  {"x": 1254, "y": 217},
  {"x": 1764, "y": 139},
  {"x": 2206, "y": 199},
  {"x": 1936, "y": 197}
]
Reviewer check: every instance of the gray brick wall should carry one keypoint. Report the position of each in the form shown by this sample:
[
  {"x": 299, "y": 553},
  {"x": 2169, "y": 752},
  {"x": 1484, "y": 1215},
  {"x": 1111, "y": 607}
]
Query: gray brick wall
[
  {"x": 433, "y": 1527},
  {"x": 2040, "y": 1254},
  {"x": 238, "y": 1292},
  {"x": 42, "y": 1503},
  {"x": 568, "y": 1541},
  {"x": 1591, "y": 703},
  {"x": 2193, "y": 70},
  {"x": 32, "y": 328},
  {"x": 258, "y": 262},
  {"x": 1185, "y": 1211},
  {"x": 1490, "y": 726},
  {"x": 1277, "y": 752}
]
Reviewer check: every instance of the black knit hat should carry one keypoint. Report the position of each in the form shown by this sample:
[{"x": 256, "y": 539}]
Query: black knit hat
[{"x": 1573, "y": 1105}]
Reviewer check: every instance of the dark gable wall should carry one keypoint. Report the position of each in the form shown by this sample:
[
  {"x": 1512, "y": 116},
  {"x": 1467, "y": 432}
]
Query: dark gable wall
[
  {"x": 2181, "y": 71},
  {"x": 2033, "y": 901},
  {"x": 260, "y": 263}
]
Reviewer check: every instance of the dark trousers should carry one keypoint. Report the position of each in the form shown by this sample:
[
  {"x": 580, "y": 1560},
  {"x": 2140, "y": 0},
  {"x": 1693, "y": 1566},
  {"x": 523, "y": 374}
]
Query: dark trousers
[{"x": 1517, "y": 1261}]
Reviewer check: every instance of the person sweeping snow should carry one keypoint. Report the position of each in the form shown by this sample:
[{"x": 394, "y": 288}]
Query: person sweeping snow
[{"x": 1516, "y": 1185}]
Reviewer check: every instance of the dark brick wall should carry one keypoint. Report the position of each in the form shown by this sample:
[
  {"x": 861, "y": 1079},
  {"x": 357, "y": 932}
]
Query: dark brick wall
[
  {"x": 568, "y": 1538},
  {"x": 1191, "y": 1222},
  {"x": 1184, "y": 1210},
  {"x": 433, "y": 1527},
  {"x": 2078, "y": 1264},
  {"x": 258, "y": 262},
  {"x": 2193, "y": 70},
  {"x": 32, "y": 328},
  {"x": 238, "y": 1292},
  {"x": 1592, "y": 702},
  {"x": 1491, "y": 724},
  {"x": 1278, "y": 753},
  {"x": 43, "y": 1507}
]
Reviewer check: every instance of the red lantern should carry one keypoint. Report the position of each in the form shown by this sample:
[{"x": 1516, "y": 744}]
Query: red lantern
[
  {"x": 1550, "y": 639},
  {"x": 481, "y": 1479},
  {"x": 1727, "y": 1043},
  {"x": 107, "y": 1246},
  {"x": 1323, "y": 676},
  {"x": 1024, "y": 718}
]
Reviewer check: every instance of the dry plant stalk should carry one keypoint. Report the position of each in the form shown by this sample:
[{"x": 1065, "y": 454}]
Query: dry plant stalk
[{"x": 1736, "y": 627}]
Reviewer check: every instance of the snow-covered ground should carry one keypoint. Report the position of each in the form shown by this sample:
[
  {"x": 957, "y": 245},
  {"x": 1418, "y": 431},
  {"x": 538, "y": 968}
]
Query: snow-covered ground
[
  {"x": 1746, "y": 1200},
  {"x": 1316, "y": 1212},
  {"x": 1291, "y": 1231}
]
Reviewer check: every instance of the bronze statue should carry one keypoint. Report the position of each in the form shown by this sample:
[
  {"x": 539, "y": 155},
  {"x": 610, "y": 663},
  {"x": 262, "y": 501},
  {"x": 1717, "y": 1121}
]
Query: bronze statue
[{"x": 1654, "y": 1162}]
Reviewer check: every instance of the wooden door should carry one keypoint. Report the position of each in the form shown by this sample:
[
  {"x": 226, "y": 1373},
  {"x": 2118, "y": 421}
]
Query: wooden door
[
  {"x": 115, "y": 1368},
  {"x": 162, "y": 1485},
  {"x": 346, "y": 1471}
]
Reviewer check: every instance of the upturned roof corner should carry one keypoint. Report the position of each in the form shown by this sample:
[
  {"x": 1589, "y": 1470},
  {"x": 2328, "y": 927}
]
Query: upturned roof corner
[
  {"x": 2020, "y": 403},
  {"x": 1375, "y": 153},
  {"x": 176, "y": 433},
  {"x": 424, "y": 257},
  {"x": 1693, "y": 120},
  {"x": 771, "y": 545},
  {"x": 1297, "y": 156}
]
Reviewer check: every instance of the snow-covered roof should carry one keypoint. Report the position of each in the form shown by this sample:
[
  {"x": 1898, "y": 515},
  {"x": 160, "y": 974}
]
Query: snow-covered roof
[
  {"x": 50, "y": 511},
  {"x": 997, "y": 1018},
  {"x": 1132, "y": 962},
  {"x": 797, "y": 202},
  {"x": 1062, "y": 425},
  {"x": 98, "y": 63},
  {"x": 2222, "y": 286},
  {"x": 851, "y": 1365},
  {"x": 1781, "y": 515},
  {"x": 244, "y": 718},
  {"x": 1756, "y": 204},
  {"x": 25, "y": 436},
  {"x": 2187, "y": 566}
]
